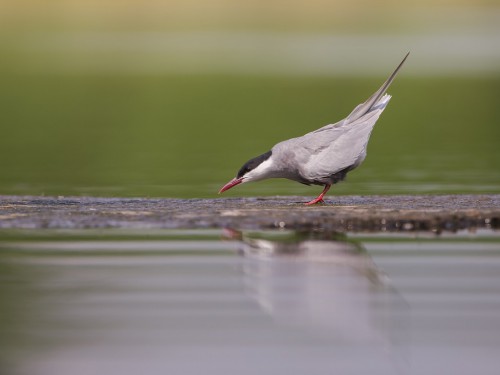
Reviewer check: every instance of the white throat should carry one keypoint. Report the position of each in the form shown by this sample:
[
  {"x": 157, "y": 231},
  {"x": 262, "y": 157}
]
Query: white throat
[{"x": 263, "y": 171}]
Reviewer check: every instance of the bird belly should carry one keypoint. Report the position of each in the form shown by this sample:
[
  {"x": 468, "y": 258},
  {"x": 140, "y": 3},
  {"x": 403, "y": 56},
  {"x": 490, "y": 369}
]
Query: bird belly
[{"x": 334, "y": 177}]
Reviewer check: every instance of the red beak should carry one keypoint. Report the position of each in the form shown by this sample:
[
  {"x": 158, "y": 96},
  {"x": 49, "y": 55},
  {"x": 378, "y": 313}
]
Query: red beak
[{"x": 230, "y": 184}]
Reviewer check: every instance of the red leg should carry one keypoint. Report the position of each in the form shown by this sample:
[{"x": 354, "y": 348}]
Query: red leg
[{"x": 319, "y": 199}]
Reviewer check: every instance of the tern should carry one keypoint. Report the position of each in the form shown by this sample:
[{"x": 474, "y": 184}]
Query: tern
[{"x": 324, "y": 156}]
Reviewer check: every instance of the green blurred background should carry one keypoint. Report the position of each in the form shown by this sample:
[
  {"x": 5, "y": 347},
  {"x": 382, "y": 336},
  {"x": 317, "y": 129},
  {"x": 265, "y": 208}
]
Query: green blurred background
[{"x": 170, "y": 98}]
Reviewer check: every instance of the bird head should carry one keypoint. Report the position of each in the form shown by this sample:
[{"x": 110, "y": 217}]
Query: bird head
[{"x": 255, "y": 169}]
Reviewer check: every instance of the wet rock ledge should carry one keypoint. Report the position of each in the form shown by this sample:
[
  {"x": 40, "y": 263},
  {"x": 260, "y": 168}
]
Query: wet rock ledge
[{"x": 435, "y": 213}]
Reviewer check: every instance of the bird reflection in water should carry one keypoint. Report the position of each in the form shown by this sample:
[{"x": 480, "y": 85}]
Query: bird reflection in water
[{"x": 326, "y": 287}]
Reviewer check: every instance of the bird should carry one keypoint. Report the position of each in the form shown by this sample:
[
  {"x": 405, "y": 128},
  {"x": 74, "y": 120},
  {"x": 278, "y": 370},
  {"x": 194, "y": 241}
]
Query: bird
[{"x": 323, "y": 156}]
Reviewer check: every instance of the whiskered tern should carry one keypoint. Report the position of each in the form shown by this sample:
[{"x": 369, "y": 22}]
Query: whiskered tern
[{"x": 324, "y": 156}]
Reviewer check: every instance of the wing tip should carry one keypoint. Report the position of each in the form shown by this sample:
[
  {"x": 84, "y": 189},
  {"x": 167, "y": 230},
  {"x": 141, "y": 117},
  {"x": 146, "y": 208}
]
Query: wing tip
[{"x": 382, "y": 103}]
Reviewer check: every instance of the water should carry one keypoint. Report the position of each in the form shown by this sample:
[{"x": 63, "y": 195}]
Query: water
[
  {"x": 198, "y": 302},
  {"x": 154, "y": 99}
]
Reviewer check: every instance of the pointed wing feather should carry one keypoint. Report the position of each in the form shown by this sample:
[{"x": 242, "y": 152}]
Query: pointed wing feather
[
  {"x": 369, "y": 104},
  {"x": 361, "y": 109}
]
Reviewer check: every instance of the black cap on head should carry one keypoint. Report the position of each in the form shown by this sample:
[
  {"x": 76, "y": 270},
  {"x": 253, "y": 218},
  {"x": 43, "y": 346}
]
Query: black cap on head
[{"x": 253, "y": 163}]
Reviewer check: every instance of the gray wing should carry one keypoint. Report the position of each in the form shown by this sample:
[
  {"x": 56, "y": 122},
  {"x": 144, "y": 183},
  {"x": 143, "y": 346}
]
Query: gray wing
[
  {"x": 339, "y": 147},
  {"x": 335, "y": 147}
]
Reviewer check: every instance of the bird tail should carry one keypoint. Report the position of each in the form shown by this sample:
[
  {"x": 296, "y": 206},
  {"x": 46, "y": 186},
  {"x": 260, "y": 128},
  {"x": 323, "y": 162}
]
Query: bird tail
[{"x": 377, "y": 99}]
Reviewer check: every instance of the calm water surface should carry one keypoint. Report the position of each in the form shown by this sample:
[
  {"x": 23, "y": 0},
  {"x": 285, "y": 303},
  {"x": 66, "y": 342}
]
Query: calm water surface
[{"x": 203, "y": 302}]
